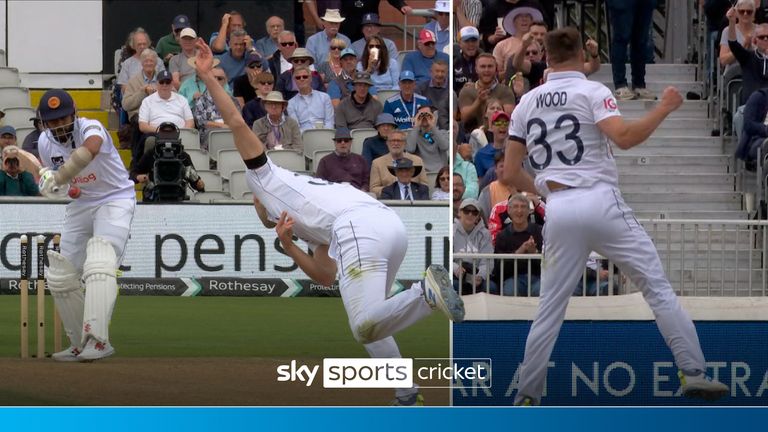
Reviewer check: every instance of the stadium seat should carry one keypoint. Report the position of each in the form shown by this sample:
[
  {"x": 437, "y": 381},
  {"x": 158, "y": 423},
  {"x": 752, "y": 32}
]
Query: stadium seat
[
  {"x": 288, "y": 159},
  {"x": 14, "y": 97},
  {"x": 212, "y": 180},
  {"x": 383, "y": 95},
  {"x": 431, "y": 177},
  {"x": 220, "y": 139},
  {"x": 2, "y": 58},
  {"x": 317, "y": 139},
  {"x": 358, "y": 136},
  {"x": 22, "y": 132},
  {"x": 248, "y": 196},
  {"x": 401, "y": 56},
  {"x": 229, "y": 160},
  {"x": 199, "y": 159},
  {"x": 190, "y": 138},
  {"x": 9, "y": 77},
  {"x": 207, "y": 197},
  {"x": 237, "y": 184},
  {"x": 316, "y": 158},
  {"x": 18, "y": 116}
]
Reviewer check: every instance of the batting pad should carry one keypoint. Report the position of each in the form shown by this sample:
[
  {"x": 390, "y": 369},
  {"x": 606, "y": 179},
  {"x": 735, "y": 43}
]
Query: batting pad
[
  {"x": 67, "y": 293},
  {"x": 99, "y": 273}
]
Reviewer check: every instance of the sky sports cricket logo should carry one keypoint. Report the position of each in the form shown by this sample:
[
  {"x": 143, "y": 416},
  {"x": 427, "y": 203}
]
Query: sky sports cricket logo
[{"x": 391, "y": 373}]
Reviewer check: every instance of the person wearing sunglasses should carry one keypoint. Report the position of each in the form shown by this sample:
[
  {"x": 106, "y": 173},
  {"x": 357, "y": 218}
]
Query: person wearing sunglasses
[
  {"x": 420, "y": 61},
  {"x": 245, "y": 86},
  {"x": 442, "y": 188},
  {"x": 471, "y": 236},
  {"x": 279, "y": 61},
  {"x": 332, "y": 67},
  {"x": 499, "y": 125},
  {"x": 287, "y": 85},
  {"x": 168, "y": 45},
  {"x": 311, "y": 108},
  {"x": 343, "y": 166},
  {"x": 319, "y": 44},
  {"x": 745, "y": 27}
]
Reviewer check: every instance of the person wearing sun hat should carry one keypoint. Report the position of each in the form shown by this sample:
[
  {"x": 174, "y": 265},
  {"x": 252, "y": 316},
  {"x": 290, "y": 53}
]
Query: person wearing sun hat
[
  {"x": 516, "y": 24},
  {"x": 440, "y": 25},
  {"x": 493, "y": 33},
  {"x": 276, "y": 129},
  {"x": 319, "y": 44}
]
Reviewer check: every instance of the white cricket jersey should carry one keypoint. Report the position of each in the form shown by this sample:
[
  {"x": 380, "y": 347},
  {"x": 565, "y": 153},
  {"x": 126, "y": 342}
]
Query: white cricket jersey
[
  {"x": 104, "y": 179},
  {"x": 558, "y": 122},
  {"x": 314, "y": 204}
]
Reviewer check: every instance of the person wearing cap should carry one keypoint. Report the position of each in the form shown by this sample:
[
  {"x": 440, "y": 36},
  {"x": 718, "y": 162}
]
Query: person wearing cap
[
  {"x": 342, "y": 86},
  {"x": 231, "y": 22},
  {"x": 376, "y": 146},
  {"x": 474, "y": 98},
  {"x": 420, "y": 61},
  {"x": 470, "y": 236},
  {"x": 378, "y": 62},
  {"x": 164, "y": 105},
  {"x": 427, "y": 140},
  {"x": 233, "y": 60},
  {"x": 279, "y": 60},
  {"x": 319, "y": 43},
  {"x": 499, "y": 127},
  {"x": 206, "y": 116},
  {"x": 179, "y": 65},
  {"x": 332, "y": 66},
  {"x": 276, "y": 130},
  {"x": 403, "y": 106},
  {"x": 358, "y": 110},
  {"x": 168, "y": 45},
  {"x": 380, "y": 175},
  {"x": 141, "y": 85},
  {"x": 405, "y": 188},
  {"x": 464, "y": 61},
  {"x": 439, "y": 25},
  {"x": 437, "y": 91},
  {"x": 7, "y": 136},
  {"x": 244, "y": 87},
  {"x": 310, "y": 108},
  {"x": 79, "y": 151},
  {"x": 138, "y": 42},
  {"x": 14, "y": 181},
  {"x": 343, "y": 166},
  {"x": 372, "y": 27},
  {"x": 493, "y": 33},
  {"x": 301, "y": 57},
  {"x": 269, "y": 43},
  {"x": 516, "y": 23},
  {"x": 354, "y": 11},
  {"x": 350, "y": 235}
]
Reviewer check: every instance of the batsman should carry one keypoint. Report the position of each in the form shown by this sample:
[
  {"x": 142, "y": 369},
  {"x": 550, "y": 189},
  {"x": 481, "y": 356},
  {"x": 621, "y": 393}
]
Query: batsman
[{"x": 78, "y": 153}]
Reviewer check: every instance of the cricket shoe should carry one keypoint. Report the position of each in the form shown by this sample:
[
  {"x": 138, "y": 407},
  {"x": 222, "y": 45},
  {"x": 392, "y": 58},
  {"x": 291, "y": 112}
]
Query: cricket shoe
[
  {"x": 439, "y": 293},
  {"x": 415, "y": 399},
  {"x": 95, "y": 350},
  {"x": 702, "y": 386},
  {"x": 68, "y": 355}
]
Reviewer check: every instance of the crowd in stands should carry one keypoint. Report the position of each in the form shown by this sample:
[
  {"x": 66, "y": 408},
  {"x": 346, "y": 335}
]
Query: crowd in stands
[{"x": 347, "y": 77}]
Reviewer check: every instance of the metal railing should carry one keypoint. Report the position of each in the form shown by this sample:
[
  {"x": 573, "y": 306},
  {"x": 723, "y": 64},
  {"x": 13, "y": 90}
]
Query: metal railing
[{"x": 699, "y": 257}]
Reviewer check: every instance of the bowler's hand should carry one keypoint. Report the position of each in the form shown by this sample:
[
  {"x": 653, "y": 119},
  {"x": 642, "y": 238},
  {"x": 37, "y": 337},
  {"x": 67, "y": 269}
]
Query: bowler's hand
[{"x": 284, "y": 230}]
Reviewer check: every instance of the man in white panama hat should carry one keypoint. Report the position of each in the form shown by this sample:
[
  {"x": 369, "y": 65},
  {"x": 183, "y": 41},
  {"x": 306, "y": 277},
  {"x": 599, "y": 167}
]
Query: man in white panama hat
[{"x": 319, "y": 44}]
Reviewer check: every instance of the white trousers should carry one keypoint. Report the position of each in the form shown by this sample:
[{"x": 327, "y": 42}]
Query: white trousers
[
  {"x": 110, "y": 220},
  {"x": 369, "y": 245},
  {"x": 581, "y": 220}
]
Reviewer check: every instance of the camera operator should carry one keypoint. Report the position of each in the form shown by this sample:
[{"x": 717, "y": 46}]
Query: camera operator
[
  {"x": 169, "y": 150},
  {"x": 427, "y": 140}
]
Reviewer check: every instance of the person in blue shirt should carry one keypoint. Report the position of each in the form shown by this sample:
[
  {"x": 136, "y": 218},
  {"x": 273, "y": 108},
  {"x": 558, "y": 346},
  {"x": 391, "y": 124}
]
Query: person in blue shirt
[
  {"x": 419, "y": 62},
  {"x": 403, "y": 106},
  {"x": 440, "y": 25}
]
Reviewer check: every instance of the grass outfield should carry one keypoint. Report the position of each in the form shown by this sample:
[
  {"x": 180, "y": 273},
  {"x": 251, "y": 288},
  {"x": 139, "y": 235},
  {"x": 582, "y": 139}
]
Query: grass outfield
[{"x": 265, "y": 327}]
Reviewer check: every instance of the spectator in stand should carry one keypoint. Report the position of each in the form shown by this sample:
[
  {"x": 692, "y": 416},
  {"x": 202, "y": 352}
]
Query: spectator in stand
[
  {"x": 269, "y": 43},
  {"x": 276, "y": 130},
  {"x": 631, "y": 24},
  {"x": 13, "y": 180},
  {"x": 471, "y": 236},
  {"x": 516, "y": 23},
  {"x": 319, "y": 43},
  {"x": 500, "y": 215},
  {"x": 383, "y": 68},
  {"x": 179, "y": 65},
  {"x": 483, "y": 135},
  {"x": 141, "y": 85},
  {"x": 360, "y": 109},
  {"x": 462, "y": 165},
  {"x": 354, "y": 11},
  {"x": 427, "y": 140},
  {"x": 484, "y": 158},
  {"x": 231, "y": 22},
  {"x": 7, "y": 136},
  {"x": 161, "y": 106},
  {"x": 244, "y": 87},
  {"x": 332, "y": 67},
  {"x": 442, "y": 186},
  {"x": 30, "y": 142},
  {"x": 310, "y": 108},
  {"x": 139, "y": 41},
  {"x": 207, "y": 116},
  {"x": 341, "y": 86},
  {"x": 755, "y": 131},
  {"x": 473, "y": 98},
  {"x": 254, "y": 109},
  {"x": 464, "y": 61},
  {"x": 317, "y": 8},
  {"x": 168, "y": 45},
  {"x": 468, "y": 12},
  {"x": 436, "y": 90},
  {"x": 380, "y": 175},
  {"x": 496, "y": 191},
  {"x": 403, "y": 106},
  {"x": 192, "y": 88},
  {"x": 458, "y": 193},
  {"x": 492, "y": 33},
  {"x": 420, "y": 61},
  {"x": 279, "y": 60},
  {"x": 405, "y": 188},
  {"x": 440, "y": 25},
  {"x": 233, "y": 61},
  {"x": 343, "y": 166},
  {"x": 27, "y": 159},
  {"x": 745, "y": 28},
  {"x": 372, "y": 27},
  {"x": 376, "y": 146},
  {"x": 519, "y": 237},
  {"x": 285, "y": 82}
]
